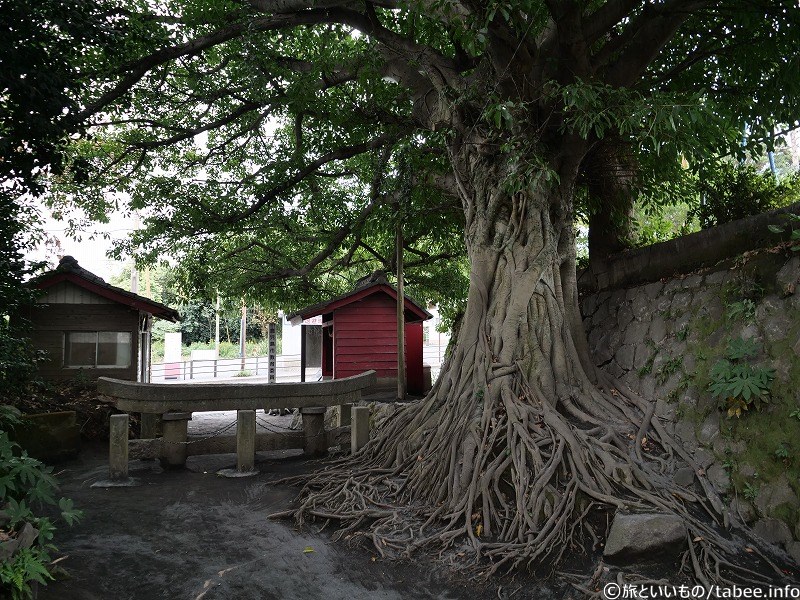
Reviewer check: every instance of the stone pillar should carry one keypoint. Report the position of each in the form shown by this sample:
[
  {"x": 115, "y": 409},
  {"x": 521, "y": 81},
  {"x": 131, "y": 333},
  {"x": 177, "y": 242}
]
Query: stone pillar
[
  {"x": 173, "y": 446},
  {"x": 118, "y": 448},
  {"x": 316, "y": 442},
  {"x": 149, "y": 426},
  {"x": 245, "y": 440},
  {"x": 359, "y": 430},
  {"x": 344, "y": 414}
]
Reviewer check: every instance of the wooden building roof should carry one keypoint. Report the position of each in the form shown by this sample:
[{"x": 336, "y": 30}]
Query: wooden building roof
[
  {"x": 69, "y": 270},
  {"x": 374, "y": 284}
]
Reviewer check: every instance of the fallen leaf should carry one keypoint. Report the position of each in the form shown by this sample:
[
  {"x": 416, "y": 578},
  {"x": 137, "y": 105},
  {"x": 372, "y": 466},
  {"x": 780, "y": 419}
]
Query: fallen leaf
[
  {"x": 308, "y": 550},
  {"x": 479, "y": 530}
]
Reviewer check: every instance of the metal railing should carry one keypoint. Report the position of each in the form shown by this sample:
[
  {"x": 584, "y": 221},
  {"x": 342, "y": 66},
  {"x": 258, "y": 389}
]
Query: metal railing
[{"x": 287, "y": 368}]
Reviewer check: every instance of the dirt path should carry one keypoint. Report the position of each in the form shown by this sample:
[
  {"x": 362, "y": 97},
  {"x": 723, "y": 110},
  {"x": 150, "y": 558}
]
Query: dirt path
[{"x": 193, "y": 535}]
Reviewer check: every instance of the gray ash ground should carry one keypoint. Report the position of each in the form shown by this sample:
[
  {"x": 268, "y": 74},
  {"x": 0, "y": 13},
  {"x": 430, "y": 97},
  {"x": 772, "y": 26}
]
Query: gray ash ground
[{"x": 190, "y": 534}]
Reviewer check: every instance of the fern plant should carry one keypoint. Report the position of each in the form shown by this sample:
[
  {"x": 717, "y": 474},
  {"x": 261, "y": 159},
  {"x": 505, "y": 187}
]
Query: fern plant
[
  {"x": 738, "y": 385},
  {"x": 743, "y": 309}
]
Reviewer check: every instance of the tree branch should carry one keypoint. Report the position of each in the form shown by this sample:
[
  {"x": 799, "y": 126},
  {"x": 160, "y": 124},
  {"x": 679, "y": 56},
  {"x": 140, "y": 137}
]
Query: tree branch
[
  {"x": 328, "y": 250},
  {"x": 188, "y": 133},
  {"x": 338, "y": 154},
  {"x": 601, "y": 21},
  {"x": 135, "y": 71},
  {"x": 648, "y": 35}
]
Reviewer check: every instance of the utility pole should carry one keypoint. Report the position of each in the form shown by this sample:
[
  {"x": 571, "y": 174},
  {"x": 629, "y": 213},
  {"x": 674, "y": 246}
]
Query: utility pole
[
  {"x": 134, "y": 270},
  {"x": 401, "y": 325},
  {"x": 216, "y": 334},
  {"x": 134, "y": 279},
  {"x": 242, "y": 334}
]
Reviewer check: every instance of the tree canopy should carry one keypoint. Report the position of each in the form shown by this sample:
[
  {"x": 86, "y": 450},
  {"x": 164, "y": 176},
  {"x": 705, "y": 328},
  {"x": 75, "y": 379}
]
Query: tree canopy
[{"x": 263, "y": 140}]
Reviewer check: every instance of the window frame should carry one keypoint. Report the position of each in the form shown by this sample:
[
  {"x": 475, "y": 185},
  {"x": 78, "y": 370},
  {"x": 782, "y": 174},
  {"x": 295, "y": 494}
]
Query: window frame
[{"x": 97, "y": 332}]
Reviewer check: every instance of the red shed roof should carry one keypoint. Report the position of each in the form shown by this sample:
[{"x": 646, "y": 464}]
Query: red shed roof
[
  {"x": 69, "y": 270},
  {"x": 366, "y": 287}
]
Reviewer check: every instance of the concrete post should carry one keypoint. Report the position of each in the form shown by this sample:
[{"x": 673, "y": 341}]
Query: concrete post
[
  {"x": 245, "y": 440},
  {"x": 173, "y": 447},
  {"x": 359, "y": 430},
  {"x": 148, "y": 424},
  {"x": 344, "y": 414},
  {"x": 118, "y": 448},
  {"x": 302, "y": 353},
  {"x": 316, "y": 442}
]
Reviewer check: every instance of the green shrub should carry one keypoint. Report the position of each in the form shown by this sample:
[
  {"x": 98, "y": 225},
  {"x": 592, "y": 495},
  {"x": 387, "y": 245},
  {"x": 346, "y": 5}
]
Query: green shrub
[
  {"x": 25, "y": 486},
  {"x": 794, "y": 230},
  {"x": 661, "y": 222},
  {"x": 733, "y": 192}
]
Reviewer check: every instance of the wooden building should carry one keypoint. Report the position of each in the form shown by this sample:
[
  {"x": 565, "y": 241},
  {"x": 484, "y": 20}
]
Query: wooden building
[
  {"x": 359, "y": 333},
  {"x": 85, "y": 325}
]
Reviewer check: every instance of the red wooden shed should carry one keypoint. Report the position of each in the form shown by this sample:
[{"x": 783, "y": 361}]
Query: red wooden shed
[{"x": 359, "y": 333}]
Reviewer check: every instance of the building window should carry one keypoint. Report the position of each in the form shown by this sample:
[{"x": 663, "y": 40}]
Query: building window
[{"x": 101, "y": 349}]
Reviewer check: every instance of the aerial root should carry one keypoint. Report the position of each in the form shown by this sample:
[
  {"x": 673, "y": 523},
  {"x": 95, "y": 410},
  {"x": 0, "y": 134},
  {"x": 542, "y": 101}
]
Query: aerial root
[{"x": 494, "y": 482}]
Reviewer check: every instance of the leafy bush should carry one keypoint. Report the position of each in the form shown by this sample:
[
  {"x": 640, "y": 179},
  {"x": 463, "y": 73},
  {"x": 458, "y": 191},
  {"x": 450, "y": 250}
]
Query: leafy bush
[
  {"x": 25, "y": 484},
  {"x": 733, "y": 192},
  {"x": 794, "y": 237},
  {"x": 17, "y": 355},
  {"x": 738, "y": 385},
  {"x": 226, "y": 349},
  {"x": 656, "y": 223}
]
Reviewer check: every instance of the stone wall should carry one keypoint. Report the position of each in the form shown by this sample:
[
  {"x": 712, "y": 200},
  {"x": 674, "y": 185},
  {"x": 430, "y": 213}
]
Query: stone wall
[
  {"x": 662, "y": 339},
  {"x": 700, "y": 249}
]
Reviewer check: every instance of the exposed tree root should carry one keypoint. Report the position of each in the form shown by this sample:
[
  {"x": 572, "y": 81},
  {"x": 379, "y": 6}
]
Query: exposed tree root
[{"x": 505, "y": 480}]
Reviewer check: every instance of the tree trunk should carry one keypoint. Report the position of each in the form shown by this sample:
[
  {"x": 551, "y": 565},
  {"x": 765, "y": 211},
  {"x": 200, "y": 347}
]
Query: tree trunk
[
  {"x": 515, "y": 444},
  {"x": 609, "y": 172}
]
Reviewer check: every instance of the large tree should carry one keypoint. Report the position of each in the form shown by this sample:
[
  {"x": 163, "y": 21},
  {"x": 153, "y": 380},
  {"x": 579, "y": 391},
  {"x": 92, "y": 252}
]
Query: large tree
[{"x": 275, "y": 142}]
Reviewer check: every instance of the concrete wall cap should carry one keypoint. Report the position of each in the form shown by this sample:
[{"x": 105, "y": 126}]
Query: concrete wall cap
[{"x": 161, "y": 398}]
